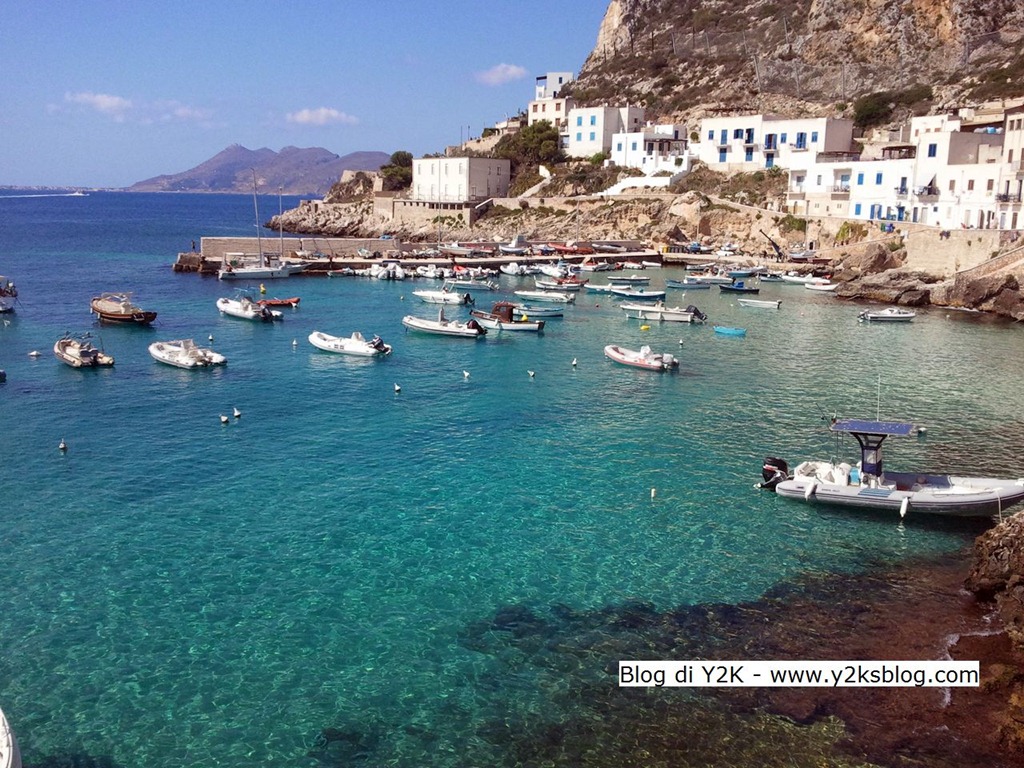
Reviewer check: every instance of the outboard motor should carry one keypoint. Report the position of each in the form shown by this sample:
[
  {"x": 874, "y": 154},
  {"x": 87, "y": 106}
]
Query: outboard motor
[
  {"x": 697, "y": 313},
  {"x": 774, "y": 472}
]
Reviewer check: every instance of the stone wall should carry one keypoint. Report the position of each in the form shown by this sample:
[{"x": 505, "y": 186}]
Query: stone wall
[{"x": 928, "y": 250}]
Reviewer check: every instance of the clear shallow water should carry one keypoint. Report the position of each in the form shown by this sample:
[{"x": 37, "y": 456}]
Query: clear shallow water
[{"x": 178, "y": 591}]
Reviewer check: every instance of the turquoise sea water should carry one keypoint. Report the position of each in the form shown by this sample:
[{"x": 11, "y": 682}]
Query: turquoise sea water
[{"x": 177, "y": 591}]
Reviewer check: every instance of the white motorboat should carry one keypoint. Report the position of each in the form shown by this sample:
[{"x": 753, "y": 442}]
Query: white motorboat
[
  {"x": 8, "y": 294},
  {"x": 513, "y": 269},
  {"x": 530, "y": 310},
  {"x": 822, "y": 287},
  {"x": 443, "y": 296},
  {"x": 443, "y": 326},
  {"x": 561, "y": 297},
  {"x": 388, "y": 269},
  {"x": 247, "y": 308},
  {"x": 503, "y": 317},
  {"x": 350, "y": 345},
  {"x": 887, "y": 315},
  {"x": 658, "y": 311},
  {"x": 80, "y": 352},
  {"x": 867, "y": 485},
  {"x": 431, "y": 271},
  {"x": 184, "y": 353},
  {"x": 761, "y": 303},
  {"x": 629, "y": 279},
  {"x": 564, "y": 284},
  {"x": 600, "y": 287},
  {"x": 10, "y": 754},
  {"x": 642, "y": 358},
  {"x": 798, "y": 279},
  {"x": 472, "y": 284},
  {"x": 639, "y": 294}
]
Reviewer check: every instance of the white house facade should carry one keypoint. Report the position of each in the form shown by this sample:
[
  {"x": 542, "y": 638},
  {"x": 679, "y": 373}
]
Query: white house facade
[
  {"x": 548, "y": 102},
  {"x": 943, "y": 176},
  {"x": 459, "y": 179},
  {"x": 751, "y": 142},
  {"x": 591, "y": 128},
  {"x": 652, "y": 149}
]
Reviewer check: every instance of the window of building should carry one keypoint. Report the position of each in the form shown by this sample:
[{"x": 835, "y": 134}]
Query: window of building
[
  {"x": 748, "y": 156},
  {"x": 593, "y": 119},
  {"x": 990, "y": 185},
  {"x": 970, "y": 185},
  {"x": 782, "y": 138},
  {"x": 860, "y": 179},
  {"x": 737, "y": 133},
  {"x": 769, "y": 160},
  {"x": 579, "y": 120},
  {"x": 711, "y": 135},
  {"x": 952, "y": 185},
  {"x": 558, "y": 106},
  {"x": 878, "y": 178},
  {"x": 618, "y": 147},
  {"x": 721, "y": 155},
  {"x": 543, "y": 107},
  {"x": 814, "y": 137},
  {"x": 591, "y": 135},
  {"x": 579, "y": 136},
  {"x": 633, "y": 146},
  {"x": 534, "y": 107},
  {"x": 856, "y": 209},
  {"x": 723, "y": 136},
  {"x": 801, "y": 140},
  {"x": 1009, "y": 156},
  {"x": 933, "y": 150}
]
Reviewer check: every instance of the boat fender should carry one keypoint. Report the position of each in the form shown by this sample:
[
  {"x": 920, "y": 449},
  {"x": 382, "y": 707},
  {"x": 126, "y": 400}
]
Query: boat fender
[
  {"x": 809, "y": 491},
  {"x": 904, "y": 506}
]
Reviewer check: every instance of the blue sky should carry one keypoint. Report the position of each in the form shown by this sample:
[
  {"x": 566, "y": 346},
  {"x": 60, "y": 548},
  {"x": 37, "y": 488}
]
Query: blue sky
[{"x": 105, "y": 93}]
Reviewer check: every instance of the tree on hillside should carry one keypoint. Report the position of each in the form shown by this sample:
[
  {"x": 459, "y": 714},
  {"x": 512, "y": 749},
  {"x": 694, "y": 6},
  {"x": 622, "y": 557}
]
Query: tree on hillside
[
  {"x": 533, "y": 145},
  {"x": 397, "y": 174}
]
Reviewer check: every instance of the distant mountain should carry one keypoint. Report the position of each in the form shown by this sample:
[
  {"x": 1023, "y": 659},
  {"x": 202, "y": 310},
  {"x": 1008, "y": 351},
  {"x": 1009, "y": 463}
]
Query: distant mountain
[{"x": 295, "y": 171}]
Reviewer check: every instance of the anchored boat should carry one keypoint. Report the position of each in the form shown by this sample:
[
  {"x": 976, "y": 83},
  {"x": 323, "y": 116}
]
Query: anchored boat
[{"x": 868, "y": 486}]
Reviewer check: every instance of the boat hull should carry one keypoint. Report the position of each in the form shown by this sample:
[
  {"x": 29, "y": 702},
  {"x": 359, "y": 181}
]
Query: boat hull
[
  {"x": 260, "y": 273},
  {"x": 645, "y": 359},
  {"x": 119, "y": 309},
  {"x": 470, "y": 330},
  {"x": 185, "y": 354},
  {"x": 352, "y": 345},
  {"x": 961, "y": 496}
]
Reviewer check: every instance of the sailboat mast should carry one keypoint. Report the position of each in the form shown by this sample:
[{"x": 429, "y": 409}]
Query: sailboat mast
[{"x": 256, "y": 207}]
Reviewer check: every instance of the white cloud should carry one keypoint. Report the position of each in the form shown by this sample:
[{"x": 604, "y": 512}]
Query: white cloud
[
  {"x": 176, "y": 112},
  {"x": 501, "y": 74},
  {"x": 115, "y": 106},
  {"x": 320, "y": 116}
]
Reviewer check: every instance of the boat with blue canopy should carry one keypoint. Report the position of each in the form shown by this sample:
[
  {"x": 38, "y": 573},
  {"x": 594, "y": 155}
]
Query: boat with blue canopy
[{"x": 867, "y": 485}]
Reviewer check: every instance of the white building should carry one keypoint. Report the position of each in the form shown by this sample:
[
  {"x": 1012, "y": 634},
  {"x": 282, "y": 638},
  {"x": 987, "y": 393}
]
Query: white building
[
  {"x": 750, "y": 142},
  {"x": 652, "y": 149},
  {"x": 943, "y": 176},
  {"x": 591, "y": 128},
  {"x": 459, "y": 179},
  {"x": 548, "y": 102},
  {"x": 550, "y": 86}
]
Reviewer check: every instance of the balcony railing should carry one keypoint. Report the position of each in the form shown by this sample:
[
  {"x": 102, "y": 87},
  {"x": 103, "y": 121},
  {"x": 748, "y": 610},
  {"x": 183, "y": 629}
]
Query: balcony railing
[
  {"x": 839, "y": 190},
  {"x": 902, "y": 192},
  {"x": 1006, "y": 197},
  {"x": 927, "y": 191}
]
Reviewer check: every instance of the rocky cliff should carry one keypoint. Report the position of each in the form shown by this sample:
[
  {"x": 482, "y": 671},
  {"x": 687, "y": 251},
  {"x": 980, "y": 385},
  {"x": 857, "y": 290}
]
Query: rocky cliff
[{"x": 683, "y": 59}]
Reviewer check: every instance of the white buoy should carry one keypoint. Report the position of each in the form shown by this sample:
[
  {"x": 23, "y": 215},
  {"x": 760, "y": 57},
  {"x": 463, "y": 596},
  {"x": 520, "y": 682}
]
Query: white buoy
[
  {"x": 680, "y": 342},
  {"x": 921, "y": 430},
  {"x": 62, "y": 447},
  {"x": 223, "y": 419},
  {"x": 397, "y": 389},
  {"x": 237, "y": 413},
  {"x": 653, "y": 493},
  {"x": 34, "y": 353},
  {"x": 295, "y": 342},
  {"x": 210, "y": 337},
  {"x": 904, "y": 506},
  {"x": 532, "y": 373},
  {"x": 465, "y": 374},
  {"x": 574, "y": 362}
]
